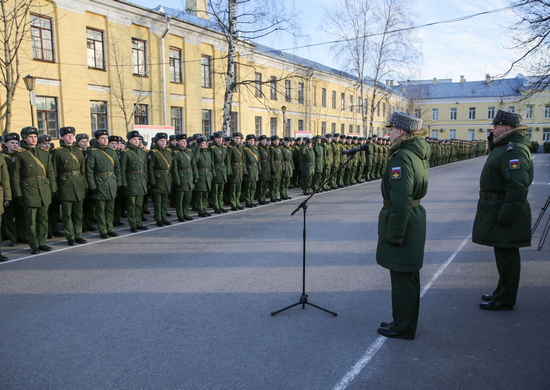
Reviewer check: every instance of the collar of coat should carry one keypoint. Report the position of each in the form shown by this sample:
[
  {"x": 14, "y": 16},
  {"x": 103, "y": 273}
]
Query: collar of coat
[
  {"x": 396, "y": 145},
  {"x": 503, "y": 138}
]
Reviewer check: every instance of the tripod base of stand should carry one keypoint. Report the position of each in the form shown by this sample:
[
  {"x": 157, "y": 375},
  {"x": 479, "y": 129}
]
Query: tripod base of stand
[{"x": 303, "y": 301}]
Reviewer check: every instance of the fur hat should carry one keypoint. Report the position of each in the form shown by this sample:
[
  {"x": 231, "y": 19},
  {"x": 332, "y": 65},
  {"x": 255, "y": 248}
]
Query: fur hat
[
  {"x": 44, "y": 138},
  {"x": 132, "y": 134},
  {"x": 98, "y": 133},
  {"x": 26, "y": 131},
  {"x": 11, "y": 137},
  {"x": 82, "y": 136},
  {"x": 508, "y": 119},
  {"x": 66, "y": 130},
  {"x": 404, "y": 121},
  {"x": 179, "y": 137}
]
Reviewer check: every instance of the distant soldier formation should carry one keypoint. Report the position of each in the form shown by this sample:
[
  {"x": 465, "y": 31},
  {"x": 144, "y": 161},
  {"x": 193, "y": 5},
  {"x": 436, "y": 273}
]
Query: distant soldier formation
[{"x": 99, "y": 180}]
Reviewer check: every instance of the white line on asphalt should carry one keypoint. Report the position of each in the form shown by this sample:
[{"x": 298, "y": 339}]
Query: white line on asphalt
[{"x": 380, "y": 340}]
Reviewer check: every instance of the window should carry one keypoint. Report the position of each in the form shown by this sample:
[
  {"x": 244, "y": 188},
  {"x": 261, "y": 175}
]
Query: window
[
  {"x": 358, "y": 129},
  {"x": 314, "y": 95},
  {"x": 471, "y": 134},
  {"x": 342, "y": 129},
  {"x": 139, "y": 57},
  {"x": 378, "y": 108},
  {"x": 435, "y": 134},
  {"x": 42, "y": 38},
  {"x": 98, "y": 115},
  {"x": 472, "y": 113},
  {"x": 141, "y": 114},
  {"x": 258, "y": 85},
  {"x": 207, "y": 122},
  {"x": 366, "y": 105},
  {"x": 435, "y": 114},
  {"x": 258, "y": 125},
  {"x": 512, "y": 109},
  {"x": 46, "y": 114},
  {"x": 176, "y": 120},
  {"x": 454, "y": 113},
  {"x": 301, "y": 93},
  {"x": 490, "y": 113},
  {"x": 418, "y": 113},
  {"x": 452, "y": 134},
  {"x": 350, "y": 129},
  {"x": 333, "y": 128},
  {"x": 384, "y": 110},
  {"x": 529, "y": 112},
  {"x": 175, "y": 65},
  {"x": 288, "y": 91},
  {"x": 323, "y": 128},
  {"x": 234, "y": 121},
  {"x": 358, "y": 104},
  {"x": 300, "y": 125},
  {"x": 288, "y": 128},
  {"x": 351, "y": 99},
  {"x": 273, "y": 88},
  {"x": 324, "y": 97},
  {"x": 206, "y": 71},
  {"x": 546, "y": 112},
  {"x": 342, "y": 101},
  {"x": 545, "y": 135},
  {"x": 94, "y": 44},
  {"x": 273, "y": 125},
  {"x": 334, "y": 100}
]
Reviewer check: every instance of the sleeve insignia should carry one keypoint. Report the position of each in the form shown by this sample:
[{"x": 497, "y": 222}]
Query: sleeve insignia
[
  {"x": 514, "y": 164},
  {"x": 396, "y": 173}
]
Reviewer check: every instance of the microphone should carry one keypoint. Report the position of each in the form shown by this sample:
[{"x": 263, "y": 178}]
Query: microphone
[{"x": 357, "y": 149}]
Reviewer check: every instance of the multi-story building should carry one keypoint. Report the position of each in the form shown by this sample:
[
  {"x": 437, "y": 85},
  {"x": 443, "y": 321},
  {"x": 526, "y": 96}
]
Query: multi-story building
[
  {"x": 465, "y": 109},
  {"x": 112, "y": 64}
]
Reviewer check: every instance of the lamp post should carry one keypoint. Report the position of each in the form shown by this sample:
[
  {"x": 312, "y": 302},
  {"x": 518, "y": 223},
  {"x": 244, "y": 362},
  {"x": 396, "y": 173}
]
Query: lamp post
[
  {"x": 29, "y": 83},
  {"x": 283, "y": 109}
]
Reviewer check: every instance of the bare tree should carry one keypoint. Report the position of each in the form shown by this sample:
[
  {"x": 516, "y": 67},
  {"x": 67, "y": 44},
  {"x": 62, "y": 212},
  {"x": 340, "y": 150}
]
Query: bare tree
[
  {"x": 240, "y": 21},
  {"x": 14, "y": 29},
  {"x": 531, "y": 36},
  {"x": 375, "y": 44}
]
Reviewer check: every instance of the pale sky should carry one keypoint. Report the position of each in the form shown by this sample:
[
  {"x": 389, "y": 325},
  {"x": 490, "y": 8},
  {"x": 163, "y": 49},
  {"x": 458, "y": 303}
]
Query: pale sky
[{"x": 473, "y": 47}]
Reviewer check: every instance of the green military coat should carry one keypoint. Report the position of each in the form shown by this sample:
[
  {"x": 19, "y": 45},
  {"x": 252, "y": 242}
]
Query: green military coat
[
  {"x": 288, "y": 164},
  {"x": 503, "y": 217},
  {"x": 252, "y": 162},
  {"x": 70, "y": 167},
  {"x": 307, "y": 161},
  {"x": 33, "y": 176},
  {"x": 221, "y": 163},
  {"x": 319, "y": 157},
  {"x": 265, "y": 163},
  {"x": 5, "y": 185},
  {"x": 133, "y": 169},
  {"x": 205, "y": 167},
  {"x": 401, "y": 225},
  {"x": 184, "y": 169},
  {"x": 276, "y": 162},
  {"x": 236, "y": 157},
  {"x": 103, "y": 173},
  {"x": 159, "y": 168}
]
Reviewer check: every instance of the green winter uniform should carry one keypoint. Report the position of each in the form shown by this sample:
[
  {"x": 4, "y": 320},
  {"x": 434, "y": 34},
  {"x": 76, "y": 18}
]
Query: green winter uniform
[
  {"x": 184, "y": 174},
  {"x": 134, "y": 179},
  {"x": 238, "y": 170},
  {"x": 160, "y": 180},
  {"x": 265, "y": 173},
  {"x": 205, "y": 167},
  {"x": 276, "y": 168},
  {"x": 250, "y": 180},
  {"x": 222, "y": 169}
]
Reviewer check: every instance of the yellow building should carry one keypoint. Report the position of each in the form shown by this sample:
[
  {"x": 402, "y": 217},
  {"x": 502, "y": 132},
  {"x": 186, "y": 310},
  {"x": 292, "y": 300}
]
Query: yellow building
[{"x": 112, "y": 64}]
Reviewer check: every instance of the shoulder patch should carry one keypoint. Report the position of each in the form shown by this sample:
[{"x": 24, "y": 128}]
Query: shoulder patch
[
  {"x": 396, "y": 173},
  {"x": 514, "y": 164}
]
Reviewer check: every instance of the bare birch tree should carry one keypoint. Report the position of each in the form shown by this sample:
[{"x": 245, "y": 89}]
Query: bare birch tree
[
  {"x": 14, "y": 30},
  {"x": 375, "y": 43}
]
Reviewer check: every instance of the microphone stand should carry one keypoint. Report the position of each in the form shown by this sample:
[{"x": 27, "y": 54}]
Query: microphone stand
[
  {"x": 303, "y": 299},
  {"x": 546, "y": 227}
]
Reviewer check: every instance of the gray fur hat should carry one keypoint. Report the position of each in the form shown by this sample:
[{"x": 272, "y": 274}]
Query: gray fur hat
[
  {"x": 508, "y": 119},
  {"x": 404, "y": 121}
]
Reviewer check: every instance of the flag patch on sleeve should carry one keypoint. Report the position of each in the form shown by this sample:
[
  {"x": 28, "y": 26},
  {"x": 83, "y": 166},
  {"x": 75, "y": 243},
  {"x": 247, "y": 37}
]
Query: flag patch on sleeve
[
  {"x": 514, "y": 164},
  {"x": 396, "y": 173}
]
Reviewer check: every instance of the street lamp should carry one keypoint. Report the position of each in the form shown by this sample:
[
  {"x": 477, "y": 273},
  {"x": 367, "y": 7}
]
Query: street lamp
[
  {"x": 29, "y": 84},
  {"x": 283, "y": 109}
]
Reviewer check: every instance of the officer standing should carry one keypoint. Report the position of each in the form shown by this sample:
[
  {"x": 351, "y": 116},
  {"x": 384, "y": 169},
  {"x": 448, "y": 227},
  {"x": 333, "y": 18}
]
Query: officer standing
[
  {"x": 185, "y": 175},
  {"x": 503, "y": 218},
  {"x": 402, "y": 222},
  {"x": 133, "y": 172},
  {"x": 5, "y": 194},
  {"x": 252, "y": 163},
  {"x": 265, "y": 170},
  {"x": 13, "y": 226},
  {"x": 307, "y": 165},
  {"x": 70, "y": 167},
  {"x": 160, "y": 177},
  {"x": 103, "y": 174},
  {"x": 221, "y": 172},
  {"x": 205, "y": 166},
  {"x": 276, "y": 160},
  {"x": 34, "y": 182}
]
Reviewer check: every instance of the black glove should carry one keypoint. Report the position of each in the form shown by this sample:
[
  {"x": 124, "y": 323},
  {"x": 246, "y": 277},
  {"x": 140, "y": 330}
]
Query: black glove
[
  {"x": 490, "y": 137},
  {"x": 153, "y": 186},
  {"x": 125, "y": 188},
  {"x": 6, "y": 203},
  {"x": 93, "y": 191}
]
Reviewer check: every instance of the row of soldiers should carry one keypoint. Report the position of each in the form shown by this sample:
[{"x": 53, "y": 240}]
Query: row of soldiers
[{"x": 98, "y": 181}]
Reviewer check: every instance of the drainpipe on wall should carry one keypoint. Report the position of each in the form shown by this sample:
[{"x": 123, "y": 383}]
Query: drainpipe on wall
[{"x": 162, "y": 49}]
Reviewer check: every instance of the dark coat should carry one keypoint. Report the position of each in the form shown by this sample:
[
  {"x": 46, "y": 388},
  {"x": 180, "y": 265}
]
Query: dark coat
[
  {"x": 265, "y": 163},
  {"x": 276, "y": 160},
  {"x": 70, "y": 167},
  {"x": 238, "y": 168},
  {"x": 402, "y": 227},
  {"x": 252, "y": 162},
  {"x": 103, "y": 173},
  {"x": 221, "y": 163},
  {"x": 307, "y": 161},
  {"x": 503, "y": 220},
  {"x": 184, "y": 169},
  {"x": 34, "y": 181},
  {"x": 133, "y": 168},
  {"x": 159, "y": 167},
  {"x": 288, "y": 163},
  {"x": 5, "y": 185},
  {"x": 205, "y": 166}
]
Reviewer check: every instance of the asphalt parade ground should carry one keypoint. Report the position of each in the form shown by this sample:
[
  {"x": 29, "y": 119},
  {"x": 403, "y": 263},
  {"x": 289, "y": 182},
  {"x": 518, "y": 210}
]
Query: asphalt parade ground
[{"x": 188, "y": 306}]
